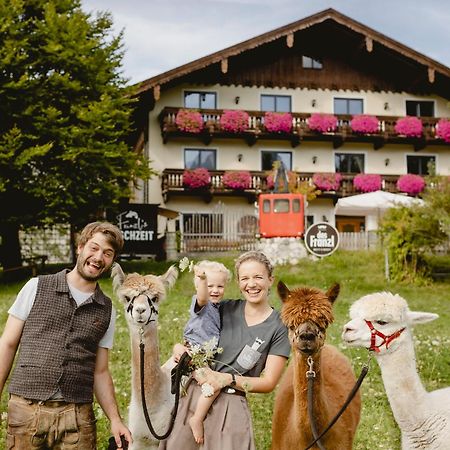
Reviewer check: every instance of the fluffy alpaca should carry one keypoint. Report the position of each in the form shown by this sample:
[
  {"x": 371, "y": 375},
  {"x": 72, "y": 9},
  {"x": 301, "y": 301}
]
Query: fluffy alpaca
[
  {"x": 307, "y": 312},
  {"x": 141, "y": 296},
  {"x": 423, "y": 417}
]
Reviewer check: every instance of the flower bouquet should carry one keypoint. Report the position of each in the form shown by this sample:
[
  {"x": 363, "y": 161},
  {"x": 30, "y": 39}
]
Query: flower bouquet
[
  {"x": 409, "y": 126},
  {"x": 411, "y": 184},
  {"x": 327, "y": 181},
  {"x": 364, "y": 124},
  {"x": 196, "y": 178},
  {"x": 367, "y": 182},
  {"x": 189, "y": 120},
  {"x": 322, "y": 123},
  {"x": 234, "y": 121},
  {"x": 237, "y": 179},
  {"x": 278, "y": 122}
]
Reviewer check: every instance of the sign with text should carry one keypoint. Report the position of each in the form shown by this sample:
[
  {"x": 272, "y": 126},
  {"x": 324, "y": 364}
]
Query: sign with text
[
  {"x": 321, "y": 239},
  {"x": 138, "y": 223}
]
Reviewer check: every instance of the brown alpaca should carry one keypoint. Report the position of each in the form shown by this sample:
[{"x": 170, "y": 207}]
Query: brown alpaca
[{"x": 307, "y": 312}]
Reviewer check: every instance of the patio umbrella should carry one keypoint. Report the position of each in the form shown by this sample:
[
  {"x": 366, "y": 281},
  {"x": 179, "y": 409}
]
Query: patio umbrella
[{"x": 372, "y": 203}]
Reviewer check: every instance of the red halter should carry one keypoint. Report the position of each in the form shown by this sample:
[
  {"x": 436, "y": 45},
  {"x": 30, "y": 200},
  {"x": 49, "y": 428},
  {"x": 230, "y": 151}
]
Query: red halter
[{"x": 385, "y": 339}]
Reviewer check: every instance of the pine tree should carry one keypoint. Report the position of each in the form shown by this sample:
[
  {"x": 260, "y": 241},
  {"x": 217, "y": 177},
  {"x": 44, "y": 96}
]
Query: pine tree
[{"x": 64, "y": 118}]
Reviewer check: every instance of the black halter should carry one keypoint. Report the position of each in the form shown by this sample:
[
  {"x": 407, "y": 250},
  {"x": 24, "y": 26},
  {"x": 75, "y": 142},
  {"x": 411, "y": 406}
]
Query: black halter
[{"x": 153, "y": 310}]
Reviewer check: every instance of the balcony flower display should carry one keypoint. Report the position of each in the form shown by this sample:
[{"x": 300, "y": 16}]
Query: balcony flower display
[
  {"x": 443, "y": 129},
  {"x": 364, "y": 124},
  {"x": 278, "y": 122},
  {"x": 327, "y": 181},
  {"x": 367, "y": 182},
  {"x": 189, "y": 120},
  {"x": 409, "y": 126},
  {"x": 239, "y": 179},
  {"x": 411, "y": 184},
  {"x": 234, "y": 121},
  {"x": 322, "y": 123},
  {"x": 196, "y": 178}
]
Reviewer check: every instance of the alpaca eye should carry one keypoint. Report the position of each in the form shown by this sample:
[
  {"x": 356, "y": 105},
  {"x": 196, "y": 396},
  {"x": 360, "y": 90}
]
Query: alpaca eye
[
  {"x": 381, "y": 322},
  {"x": 127, "y": 299}
]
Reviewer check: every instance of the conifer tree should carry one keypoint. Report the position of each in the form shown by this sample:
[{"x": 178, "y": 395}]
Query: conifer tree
[{"x": 64, "y": 118}]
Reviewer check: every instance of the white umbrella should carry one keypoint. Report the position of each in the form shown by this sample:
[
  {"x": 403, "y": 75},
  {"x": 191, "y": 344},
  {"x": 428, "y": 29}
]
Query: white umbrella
[{"x": 372, "y": 203}]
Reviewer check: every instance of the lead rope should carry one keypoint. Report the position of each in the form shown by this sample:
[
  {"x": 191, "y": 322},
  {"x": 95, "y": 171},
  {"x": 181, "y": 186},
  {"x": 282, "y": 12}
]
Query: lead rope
[
  {"x": 364, "y": 371},
  {"x": 184, "y": 361},
  {"x": 311, "y": 375}
]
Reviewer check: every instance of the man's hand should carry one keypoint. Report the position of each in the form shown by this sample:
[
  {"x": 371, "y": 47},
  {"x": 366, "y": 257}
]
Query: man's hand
[{"x": 119, "y": 430}]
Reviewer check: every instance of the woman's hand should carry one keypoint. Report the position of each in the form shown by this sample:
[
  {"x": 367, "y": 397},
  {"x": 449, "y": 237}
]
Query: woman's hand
[
  {"x": 178, "y": 350},
  {"x": 217, "y": 380}
]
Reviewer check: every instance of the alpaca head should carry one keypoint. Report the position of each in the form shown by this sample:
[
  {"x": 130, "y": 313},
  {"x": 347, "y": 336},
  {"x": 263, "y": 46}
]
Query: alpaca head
[
  {"x": 142, "y": 294},
  {"x": 307, "y": 312},
  {"x": 378, "y": 322}
]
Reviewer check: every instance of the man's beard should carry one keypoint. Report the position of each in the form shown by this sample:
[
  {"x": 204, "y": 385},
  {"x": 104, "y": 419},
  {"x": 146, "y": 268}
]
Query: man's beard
[{"x": 84, "y": 275}]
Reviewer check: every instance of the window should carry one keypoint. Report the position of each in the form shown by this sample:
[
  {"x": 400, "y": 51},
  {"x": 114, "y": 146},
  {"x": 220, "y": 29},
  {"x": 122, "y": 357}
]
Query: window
[
  {"x": 419, "y": 165},
  {"x": 276, "y": 103},
  {"x": 195, "y": 157},
  {"x": 268, "y": 158},
  {"x": 349, "y": 162},
  {"x": 281, "y": 206},
  {"x": 205, "y": 100},
  {"x": 419, "y": 108},
  {"x": 310, "y": 63},
  {"x": 348, "y": 106},
  {"x": 309, "y": 221}
]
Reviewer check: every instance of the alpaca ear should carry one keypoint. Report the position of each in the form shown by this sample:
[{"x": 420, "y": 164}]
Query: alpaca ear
[
  {"x": 170, "y": 277},
  {"x": 283, "y": 291},
  {"x": 333, "y": 292},
  {"x": 418, "y": 317},
  {"x": 117, "y": 275}
]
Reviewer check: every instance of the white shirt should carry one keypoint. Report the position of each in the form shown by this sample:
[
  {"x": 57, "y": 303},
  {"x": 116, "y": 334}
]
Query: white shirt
[{"x": 25, "y": 299}]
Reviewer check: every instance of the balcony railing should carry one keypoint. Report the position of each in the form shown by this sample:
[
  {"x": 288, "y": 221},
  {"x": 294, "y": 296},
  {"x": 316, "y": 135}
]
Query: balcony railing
[
  {"x": 300, "y": 130},
  {"x": 172, "y": 184}
]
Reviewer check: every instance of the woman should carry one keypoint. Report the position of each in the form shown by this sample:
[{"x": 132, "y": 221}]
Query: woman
[{"x": 253, "y": 339}]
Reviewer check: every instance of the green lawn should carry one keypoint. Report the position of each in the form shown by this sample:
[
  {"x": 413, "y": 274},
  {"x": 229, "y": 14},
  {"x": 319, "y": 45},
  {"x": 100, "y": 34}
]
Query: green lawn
[{"x": 359, "y": 273}]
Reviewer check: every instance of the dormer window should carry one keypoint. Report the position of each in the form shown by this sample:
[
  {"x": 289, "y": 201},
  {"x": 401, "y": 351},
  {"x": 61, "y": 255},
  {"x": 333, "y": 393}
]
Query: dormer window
[{"x": 310, "y": 63}]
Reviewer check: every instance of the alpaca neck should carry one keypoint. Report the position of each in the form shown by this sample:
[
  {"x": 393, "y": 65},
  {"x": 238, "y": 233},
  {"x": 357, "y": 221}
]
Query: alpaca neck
[
  {"x": 152, "y": 371},
  {"x": 401, "y": 381},
  {"x": 300, "y": 392}
]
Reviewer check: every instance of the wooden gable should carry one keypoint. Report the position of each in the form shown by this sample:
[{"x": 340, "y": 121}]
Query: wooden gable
[{"x": 354, "y": 57}]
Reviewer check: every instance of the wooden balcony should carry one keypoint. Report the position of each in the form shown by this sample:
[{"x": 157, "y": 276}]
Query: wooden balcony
[
  {"x": 172, "y": 184},
  {"x": 300, "y": 130}
]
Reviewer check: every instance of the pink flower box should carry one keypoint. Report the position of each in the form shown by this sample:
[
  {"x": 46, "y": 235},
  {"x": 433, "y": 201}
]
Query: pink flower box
[
  {"x": 409, "y": 126},
  {"x": 364, "y": 124},
  {"x": 196, "y": 178},
  {"x": 411, "y": 184},
  {"x": 237, "y": 179},
  {"x": 234, "y": 121},
  {"x": 327, "y": 181},
  {"x": 443, "y": 130},
  {"x": 189, "y": 120},
  {"x": 278, "y": 122},
  {"x": 322, "y": 123},
  {"x": 367, "y": 182}
]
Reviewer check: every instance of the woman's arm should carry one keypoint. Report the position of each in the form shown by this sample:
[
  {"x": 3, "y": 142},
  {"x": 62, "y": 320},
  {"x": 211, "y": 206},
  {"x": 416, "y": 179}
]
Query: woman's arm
[{"x": 265, "y": 383}]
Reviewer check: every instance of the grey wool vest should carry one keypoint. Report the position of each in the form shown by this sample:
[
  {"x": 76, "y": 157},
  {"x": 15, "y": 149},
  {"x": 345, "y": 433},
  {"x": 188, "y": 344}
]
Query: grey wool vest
[{"x": 59, "y": 343}]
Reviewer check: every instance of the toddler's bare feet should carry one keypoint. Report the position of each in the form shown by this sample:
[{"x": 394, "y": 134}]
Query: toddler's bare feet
[{"x": 197, "y": 429}]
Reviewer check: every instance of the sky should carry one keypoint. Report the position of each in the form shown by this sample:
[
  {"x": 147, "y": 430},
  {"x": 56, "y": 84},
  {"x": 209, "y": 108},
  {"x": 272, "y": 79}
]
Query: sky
[{"x": 160, "y": 35}]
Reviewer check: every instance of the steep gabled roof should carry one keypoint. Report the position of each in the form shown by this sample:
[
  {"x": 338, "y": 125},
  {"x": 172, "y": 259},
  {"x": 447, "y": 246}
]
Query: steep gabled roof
[{"x": 369, "y": 36}]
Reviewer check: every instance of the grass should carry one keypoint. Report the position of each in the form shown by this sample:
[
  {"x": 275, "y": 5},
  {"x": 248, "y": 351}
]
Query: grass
[{"x": 359, "y": 273}]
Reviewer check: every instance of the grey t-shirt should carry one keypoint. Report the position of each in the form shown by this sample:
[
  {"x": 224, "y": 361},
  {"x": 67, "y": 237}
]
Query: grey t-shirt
[
  {"x": 203, "y": 324},
  {"x": 235, "y": 334}
]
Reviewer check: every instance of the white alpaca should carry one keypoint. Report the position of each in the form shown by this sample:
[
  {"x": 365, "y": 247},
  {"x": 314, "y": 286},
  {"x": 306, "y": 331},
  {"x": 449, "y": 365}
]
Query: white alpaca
[
  {"x": 423, "y": 417},
  {"x": 141, "y": 296}
]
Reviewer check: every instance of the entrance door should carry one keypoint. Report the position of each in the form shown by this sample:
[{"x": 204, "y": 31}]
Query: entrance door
[{"x": 350, "y": 224}]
